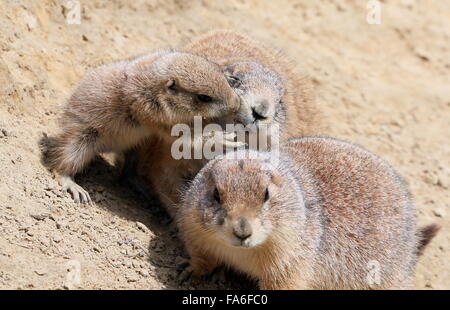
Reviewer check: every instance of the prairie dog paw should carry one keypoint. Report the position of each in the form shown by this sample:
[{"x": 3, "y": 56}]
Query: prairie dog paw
[
  {"x": 192, "y": 267},
  {"x": 79, "y": 194}
]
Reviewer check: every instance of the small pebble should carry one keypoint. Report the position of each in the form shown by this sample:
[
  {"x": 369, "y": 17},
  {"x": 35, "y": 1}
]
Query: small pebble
[
  {"x": 39, "y": 217},
  {"x": 442, "y": 182},
  {"x": 40, "y": 273},
  {"x": 141, "y": 227},
  {"x": 132, "y": 277},
  {"x": 143, "y": 273},
  {"x": 439, "y": 212}
]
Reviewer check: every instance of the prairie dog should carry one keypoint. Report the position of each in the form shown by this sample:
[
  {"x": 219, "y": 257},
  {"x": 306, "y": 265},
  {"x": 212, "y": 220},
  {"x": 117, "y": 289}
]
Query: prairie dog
[
  {"x": 271, "y": 93},
  {"x": 118, "y": 105},
  {"x": 326, "y": 215},
  {"x": 271, "y": 88}
]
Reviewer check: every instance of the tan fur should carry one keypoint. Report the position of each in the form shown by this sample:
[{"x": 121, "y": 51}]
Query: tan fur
[
  {"x": 333, "y": 210},
  {"x": 268, "y": 84},
  {"x": 118, "y": 105}
]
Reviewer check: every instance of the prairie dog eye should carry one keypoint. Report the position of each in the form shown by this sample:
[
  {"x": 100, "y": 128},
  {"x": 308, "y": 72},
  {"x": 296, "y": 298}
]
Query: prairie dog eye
[
  {"x": 266, "y": 195},
  {"x": 216, "y": 195},
  {"x": 204, "y": 98}
]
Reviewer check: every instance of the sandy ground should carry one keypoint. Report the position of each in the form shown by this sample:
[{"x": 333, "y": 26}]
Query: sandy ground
[{"x": 386, "y": 87}]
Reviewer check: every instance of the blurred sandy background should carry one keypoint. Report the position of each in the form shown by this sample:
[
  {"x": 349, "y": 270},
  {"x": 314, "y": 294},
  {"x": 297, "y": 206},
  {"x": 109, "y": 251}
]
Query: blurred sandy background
[{"x": 386, "y": 87}]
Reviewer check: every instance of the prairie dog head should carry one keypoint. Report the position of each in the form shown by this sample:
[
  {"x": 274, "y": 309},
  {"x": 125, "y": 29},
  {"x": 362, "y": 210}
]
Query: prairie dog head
[
  {"x": 180, "y": 86},
  {"x": 260, "y": 89},
  {"x": 241, "y": 202}
]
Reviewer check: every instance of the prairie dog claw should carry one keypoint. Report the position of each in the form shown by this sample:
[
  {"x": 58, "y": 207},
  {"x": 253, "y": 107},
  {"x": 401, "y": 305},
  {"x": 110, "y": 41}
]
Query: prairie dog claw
[{"x": 79, "y": 194}]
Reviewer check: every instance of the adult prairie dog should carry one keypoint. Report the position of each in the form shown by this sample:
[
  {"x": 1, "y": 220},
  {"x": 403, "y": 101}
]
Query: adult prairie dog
[
  {"x": 273, "y": 91},
  {"x": 118, "y": 105},
  {"x": 325, "y": 215}
]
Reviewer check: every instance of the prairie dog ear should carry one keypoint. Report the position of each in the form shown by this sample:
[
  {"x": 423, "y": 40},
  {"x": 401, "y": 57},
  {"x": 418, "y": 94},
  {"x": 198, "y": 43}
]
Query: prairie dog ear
[
  {"x": 171, "y": 87},
  {"x": 233, "y": 80}
]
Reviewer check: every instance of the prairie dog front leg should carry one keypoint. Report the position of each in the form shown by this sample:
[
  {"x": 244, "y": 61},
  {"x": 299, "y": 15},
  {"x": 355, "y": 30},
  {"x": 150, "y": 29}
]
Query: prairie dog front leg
[
  {"x": 199, "y": 264},
  {"x": 70, "y": 154}
]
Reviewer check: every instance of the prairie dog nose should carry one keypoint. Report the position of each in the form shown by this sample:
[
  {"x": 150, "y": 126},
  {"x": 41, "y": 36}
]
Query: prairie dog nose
[
  {"x": 260, "y": 110},
  {"x": 242, "y": 229}
]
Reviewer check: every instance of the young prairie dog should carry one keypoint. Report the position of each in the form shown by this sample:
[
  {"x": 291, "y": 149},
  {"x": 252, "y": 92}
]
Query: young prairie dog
[
  {"x": 118, "y": 105},
  {"x": 326, "y": 215},
  {"x": 271, "y": 92}
]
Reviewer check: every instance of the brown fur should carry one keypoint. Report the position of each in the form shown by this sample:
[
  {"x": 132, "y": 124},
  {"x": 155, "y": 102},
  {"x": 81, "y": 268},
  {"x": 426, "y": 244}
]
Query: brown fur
[
  {"x": 333, "y": 210},
  {"x": 425, "y": 234},
  {"x": 118, "y": 105},
  {"x": 268, "y": 84}
]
